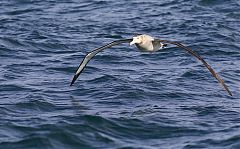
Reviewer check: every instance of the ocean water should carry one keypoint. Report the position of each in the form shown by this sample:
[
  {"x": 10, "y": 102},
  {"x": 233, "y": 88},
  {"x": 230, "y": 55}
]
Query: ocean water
[{"x": 124, "y": 99}]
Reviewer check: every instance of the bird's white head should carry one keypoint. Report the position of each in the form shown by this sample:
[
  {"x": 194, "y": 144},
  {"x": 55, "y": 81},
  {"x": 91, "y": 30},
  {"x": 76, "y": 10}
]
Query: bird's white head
[{"x": 141, "y": 38}]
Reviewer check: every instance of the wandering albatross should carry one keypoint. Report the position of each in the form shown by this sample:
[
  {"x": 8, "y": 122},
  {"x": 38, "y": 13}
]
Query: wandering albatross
[{"x": 148, "y": 44}]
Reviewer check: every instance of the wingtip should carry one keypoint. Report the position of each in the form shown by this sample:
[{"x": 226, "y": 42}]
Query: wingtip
[
  {"x": 224, "y": 85},
  {"x": 73, "y": 80},
  {"x": 71, "y": 84},
  {"x": 230, "y": 93}
]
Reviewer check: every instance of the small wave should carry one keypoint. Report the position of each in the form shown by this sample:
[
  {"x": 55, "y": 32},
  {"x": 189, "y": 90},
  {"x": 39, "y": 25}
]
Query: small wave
[
  {"x": 230, "y": 142},
  {"x": 103, "y": 79},
  {"x": 34, "y": 103},
  {"x": 20, "y": 12},
  {"x": 13, "y": 87},
  {"x": 12, "y": 43}
]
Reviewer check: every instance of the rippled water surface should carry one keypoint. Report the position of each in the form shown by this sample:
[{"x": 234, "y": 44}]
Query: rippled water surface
[{"x": 124, "y": 98}]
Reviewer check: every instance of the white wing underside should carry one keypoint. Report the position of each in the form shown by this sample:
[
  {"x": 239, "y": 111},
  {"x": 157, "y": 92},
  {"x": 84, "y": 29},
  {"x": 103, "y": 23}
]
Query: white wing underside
[{"x": 90, "y": 55}]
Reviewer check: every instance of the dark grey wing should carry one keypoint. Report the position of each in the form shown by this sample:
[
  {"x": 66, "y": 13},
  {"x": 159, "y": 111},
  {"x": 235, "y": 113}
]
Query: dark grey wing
[
  {"x": 90, "y": 55},
  {"x": 202, "y": 60}
]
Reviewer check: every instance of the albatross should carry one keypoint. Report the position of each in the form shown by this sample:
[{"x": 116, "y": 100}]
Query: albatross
[{"x": 146, "y": 43}]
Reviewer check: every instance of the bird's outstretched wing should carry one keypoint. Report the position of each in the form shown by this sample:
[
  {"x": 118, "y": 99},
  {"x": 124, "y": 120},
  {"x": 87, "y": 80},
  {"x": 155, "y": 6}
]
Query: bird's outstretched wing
[
  {"x": 201, "y": 59},
  {"x": 90, "y": 55}
]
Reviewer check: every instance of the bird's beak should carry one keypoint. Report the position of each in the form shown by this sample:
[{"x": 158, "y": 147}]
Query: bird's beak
[{"x": 133, "y": 42}]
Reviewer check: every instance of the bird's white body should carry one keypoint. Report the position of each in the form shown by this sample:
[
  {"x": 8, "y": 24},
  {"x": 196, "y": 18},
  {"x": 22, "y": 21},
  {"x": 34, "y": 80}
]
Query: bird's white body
[{"x": 146, "y": 43}]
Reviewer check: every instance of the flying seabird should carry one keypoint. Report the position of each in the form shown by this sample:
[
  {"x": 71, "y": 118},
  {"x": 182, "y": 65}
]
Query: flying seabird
[{"x": 148, "y": 44}]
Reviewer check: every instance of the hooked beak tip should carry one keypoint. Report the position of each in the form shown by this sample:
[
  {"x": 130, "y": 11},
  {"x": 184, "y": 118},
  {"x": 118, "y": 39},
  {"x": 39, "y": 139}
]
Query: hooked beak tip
[{"x": 131, "y": 43}]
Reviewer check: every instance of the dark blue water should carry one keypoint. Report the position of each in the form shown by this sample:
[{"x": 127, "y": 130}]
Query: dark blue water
[{"x": 124, "y": 98}]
